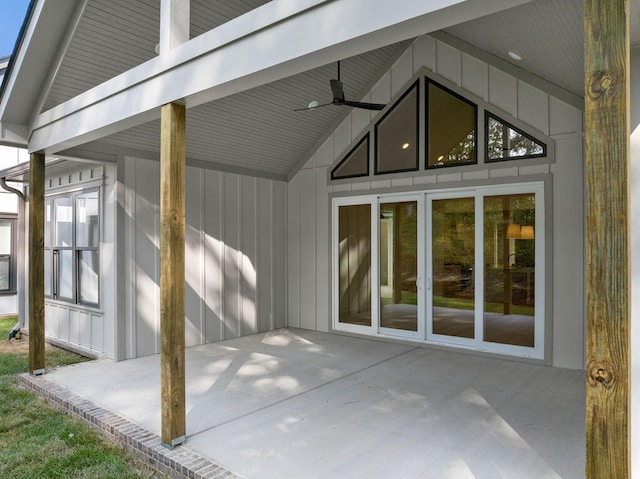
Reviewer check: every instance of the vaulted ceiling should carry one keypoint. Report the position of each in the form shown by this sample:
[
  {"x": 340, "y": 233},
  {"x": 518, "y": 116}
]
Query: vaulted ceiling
[{"x": 258, "y": 130}]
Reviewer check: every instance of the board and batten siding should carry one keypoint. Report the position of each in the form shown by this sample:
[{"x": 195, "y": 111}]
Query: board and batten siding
[
  {"x": 75, "y": 325},
  {"x": 308, "y": 191},
  {"x": 235, "y": 256}
]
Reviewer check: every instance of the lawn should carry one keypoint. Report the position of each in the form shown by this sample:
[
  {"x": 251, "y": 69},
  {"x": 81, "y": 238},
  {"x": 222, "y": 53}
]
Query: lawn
[{"x": 37, "y": 441}]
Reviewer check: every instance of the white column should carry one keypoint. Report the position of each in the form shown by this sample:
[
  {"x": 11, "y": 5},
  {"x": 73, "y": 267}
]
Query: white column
[{"x": 174, "y": 23}]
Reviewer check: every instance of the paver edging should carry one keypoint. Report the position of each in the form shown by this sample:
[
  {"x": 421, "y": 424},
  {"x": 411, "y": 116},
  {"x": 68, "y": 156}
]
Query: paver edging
[{"x": 128, "y": 435}]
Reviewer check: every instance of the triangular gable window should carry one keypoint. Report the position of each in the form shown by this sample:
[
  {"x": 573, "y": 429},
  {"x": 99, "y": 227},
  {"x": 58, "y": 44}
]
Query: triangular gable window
[
  {"x": 397, "y": 135},
  {"x": 451, "y": 128},
  {"x": 355, "y": 163},
  {"x": 506, "y": 142}
]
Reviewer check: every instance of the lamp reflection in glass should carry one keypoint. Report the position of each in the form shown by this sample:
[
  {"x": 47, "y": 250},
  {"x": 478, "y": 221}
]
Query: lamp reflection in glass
[
  {"x": 513, "y": 231},
  {"x": 526, "y": 232}
]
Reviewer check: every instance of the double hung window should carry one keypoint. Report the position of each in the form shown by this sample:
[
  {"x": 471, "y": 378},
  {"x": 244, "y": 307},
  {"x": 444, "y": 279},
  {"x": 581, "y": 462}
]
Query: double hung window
[{"x": 72, "y": 241}]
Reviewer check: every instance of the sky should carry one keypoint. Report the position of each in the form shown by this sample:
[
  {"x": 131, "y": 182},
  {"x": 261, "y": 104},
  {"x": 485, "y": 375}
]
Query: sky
[{"x": 12, "y": 14}]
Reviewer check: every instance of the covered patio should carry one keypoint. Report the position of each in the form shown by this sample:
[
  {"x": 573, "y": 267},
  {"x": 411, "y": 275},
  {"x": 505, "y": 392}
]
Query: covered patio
[{"x": 298, "y": 403}]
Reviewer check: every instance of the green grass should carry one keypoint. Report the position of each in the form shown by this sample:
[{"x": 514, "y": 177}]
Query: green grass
[
  {"x": 469, "y": 304},
  {"x": 37, "y": 441}
]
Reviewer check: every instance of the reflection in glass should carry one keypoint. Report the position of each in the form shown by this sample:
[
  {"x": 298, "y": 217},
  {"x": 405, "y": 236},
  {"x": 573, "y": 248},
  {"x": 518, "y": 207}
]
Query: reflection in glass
[
  {"x": 399, "y": 265},
  {"x": 47, "y": 272},
  {"x": 506, "y": 142},
  {"x": 356, "y": 163},
  {"x": 397, "y": 136},
  {"x": 451, "y": 130},
  {"x": 354, "y": 264},
  {"x": 509, "y": 257},
  {"x": 4, "y": 273},
  {"x": 87, "y": 224},
  {"x": 88, "y": 277},
  {"x": 5, "y": 236},
  {"x": 453, "y": 258},
  {"x": 47, "y": 223},
  {"x": 65, "y": 274},
  {"x": 63, "y": 222}
]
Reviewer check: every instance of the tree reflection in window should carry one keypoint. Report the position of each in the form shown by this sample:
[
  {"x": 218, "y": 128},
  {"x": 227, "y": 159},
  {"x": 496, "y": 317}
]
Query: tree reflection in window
[
  {"x": 506, "y": 142},
  {"x": 451, "y": 128}
]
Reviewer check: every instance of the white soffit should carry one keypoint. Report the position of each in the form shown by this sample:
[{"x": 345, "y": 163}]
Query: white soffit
[{"x": 216, "y": 64}]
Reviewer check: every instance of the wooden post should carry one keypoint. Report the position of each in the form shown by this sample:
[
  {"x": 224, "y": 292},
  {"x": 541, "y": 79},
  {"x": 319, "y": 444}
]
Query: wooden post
[
  {"x": 36, "y": 264},
  {"x": 172, "y": 246},
  {"x": 607, "y": 158}
]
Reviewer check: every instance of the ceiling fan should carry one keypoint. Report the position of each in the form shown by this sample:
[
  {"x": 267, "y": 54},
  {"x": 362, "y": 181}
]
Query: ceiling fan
[{"x": 338, "y": 98}]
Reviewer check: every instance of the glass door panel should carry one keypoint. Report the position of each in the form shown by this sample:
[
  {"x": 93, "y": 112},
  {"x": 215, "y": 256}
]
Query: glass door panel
[
  {"x": 509, "y": 274},
  {"x": 354, "y": 264},
  {"x": 399, "y": 265},
  {"x": 452, "y": 261}
]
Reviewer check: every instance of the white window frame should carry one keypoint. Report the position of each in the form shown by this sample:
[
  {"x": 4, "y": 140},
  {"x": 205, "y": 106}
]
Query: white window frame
[{"x": 425, "y": 277}]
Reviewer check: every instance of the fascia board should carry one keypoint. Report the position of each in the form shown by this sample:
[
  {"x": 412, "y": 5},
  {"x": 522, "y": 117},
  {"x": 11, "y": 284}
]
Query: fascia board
[
  {"x": 275, "y": 41},
  {"x": 32, "y": 61}
]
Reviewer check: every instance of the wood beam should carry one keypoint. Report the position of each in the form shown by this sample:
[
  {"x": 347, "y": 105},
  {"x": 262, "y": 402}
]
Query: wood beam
[
  {"x": 607, "y": 160},
  {"x": 36, "y": 264},
  {"x": 172, "y": 275}
]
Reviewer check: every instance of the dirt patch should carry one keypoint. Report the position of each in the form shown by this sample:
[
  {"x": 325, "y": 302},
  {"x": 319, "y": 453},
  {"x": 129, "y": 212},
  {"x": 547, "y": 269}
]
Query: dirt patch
[{"x": 20, "y": 345}]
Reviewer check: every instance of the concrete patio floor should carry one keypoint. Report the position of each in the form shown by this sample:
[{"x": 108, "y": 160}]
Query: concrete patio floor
[{"x": 294, "y": 403}]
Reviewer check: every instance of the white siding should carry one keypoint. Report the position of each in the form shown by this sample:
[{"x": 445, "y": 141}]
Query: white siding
[
  {"x": 309, "y": 223},
  {"x": 235, "y": 255}
]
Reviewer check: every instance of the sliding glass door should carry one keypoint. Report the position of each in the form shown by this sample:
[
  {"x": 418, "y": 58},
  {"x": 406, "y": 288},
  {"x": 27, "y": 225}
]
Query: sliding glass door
[
  {"x": 399, "y": 275},
  {"x": 464, "y": 267}
]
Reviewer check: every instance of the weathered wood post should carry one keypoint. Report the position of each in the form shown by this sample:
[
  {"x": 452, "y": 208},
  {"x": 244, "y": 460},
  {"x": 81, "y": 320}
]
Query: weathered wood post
[
  {"x": 36, "y": 264},
  {"x": 172, "y": 246},
  {"x": 607, "y": 157}
]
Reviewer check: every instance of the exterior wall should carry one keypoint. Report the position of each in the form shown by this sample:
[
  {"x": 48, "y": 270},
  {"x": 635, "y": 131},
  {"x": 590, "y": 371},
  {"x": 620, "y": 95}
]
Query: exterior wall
[
  {"x": 308, "y": 227},
  {"x": 10, "y": 156},
  {"x": 235, "y": 255},
  {"x": 92, "y": 329}
]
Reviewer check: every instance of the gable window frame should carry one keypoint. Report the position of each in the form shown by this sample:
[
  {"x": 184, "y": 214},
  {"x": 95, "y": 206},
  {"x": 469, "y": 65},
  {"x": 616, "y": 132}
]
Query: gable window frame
[
  {"x": 490, "y": 115},
  {"x": 430, "y": 81},
  {"x": 349, "y": 155},
  {"x": 376, "y": 170}
]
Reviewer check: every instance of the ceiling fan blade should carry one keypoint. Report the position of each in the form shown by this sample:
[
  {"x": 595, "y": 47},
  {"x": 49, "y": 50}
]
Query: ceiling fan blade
[
  {"x": 337, "y": 90},
  {"x": 366, "y": 106},
  {"x": 315, "y": 107}
]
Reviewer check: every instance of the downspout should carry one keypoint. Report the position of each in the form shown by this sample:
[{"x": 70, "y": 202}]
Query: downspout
[{"x": 21, "y": 255}]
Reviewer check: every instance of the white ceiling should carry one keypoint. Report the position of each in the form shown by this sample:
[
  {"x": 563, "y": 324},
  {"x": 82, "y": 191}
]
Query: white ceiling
[{"x": 258, "y": 130}]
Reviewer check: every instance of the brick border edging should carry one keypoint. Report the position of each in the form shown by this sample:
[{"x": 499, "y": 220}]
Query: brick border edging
[{"x": 144, "y": 444}]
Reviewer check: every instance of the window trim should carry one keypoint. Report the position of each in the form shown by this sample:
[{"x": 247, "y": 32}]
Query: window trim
[
  {"x": 542, "y": 336},
  {"x": 74, "y": 248},
  {"x": 13, "y": 261},
  {"x": 348, "y": 156},
  {"x": 488, "y": 114},
  {"x": 416, "y": 85},
  {"x": 426, "y": 126}
]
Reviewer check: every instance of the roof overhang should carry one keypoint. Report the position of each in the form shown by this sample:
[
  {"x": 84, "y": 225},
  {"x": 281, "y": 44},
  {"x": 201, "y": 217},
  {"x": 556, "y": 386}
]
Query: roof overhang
[{"x": 211, "y": 61}]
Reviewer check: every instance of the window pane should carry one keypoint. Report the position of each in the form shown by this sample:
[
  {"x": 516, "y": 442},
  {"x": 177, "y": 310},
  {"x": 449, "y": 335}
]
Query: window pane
[
  {"x": 356, "y": 163},
  {"x": 399, "y": 265},
  {"x": 506, "y": 142},
  {"x": 65, "y": 274},
  {"x": 88, "y": 271},
  {"x": 47, "y": 272},
  {"x": 453, "y": 254},
  {"x": 47, "y": 223},
  {"x": 87, "y": 219},
  {"x": 397, "y": 136},
  {"x": 5, "y": 236},
  {"x": 63, "y": 210},
  {"x": 354, "y": 264},
  {"x": 509, "y": 257},
  {"x": 451, "y": 128},
  {"x": 5, "y": 280}
]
